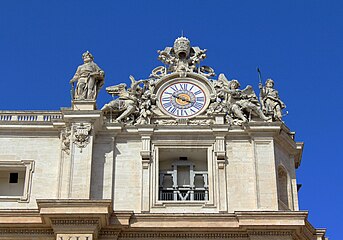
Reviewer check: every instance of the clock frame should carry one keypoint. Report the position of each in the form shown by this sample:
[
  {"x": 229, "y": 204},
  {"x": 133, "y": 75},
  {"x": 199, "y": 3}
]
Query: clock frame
[{"x": 183, "y": 97}]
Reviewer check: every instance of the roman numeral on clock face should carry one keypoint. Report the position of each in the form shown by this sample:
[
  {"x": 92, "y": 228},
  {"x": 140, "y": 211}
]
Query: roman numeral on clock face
[
  {"x": 198, "y": 92},
  {"x": 183, "y": 86},
  {"x": 183, "y": 99},
  {"x": 200, "y": 99},
  {"x": 198, "y": 105},
  {"x": 174, "y": 88},
  {"x": 172, "y": 110},
  {"x": 167, "y": 104}
]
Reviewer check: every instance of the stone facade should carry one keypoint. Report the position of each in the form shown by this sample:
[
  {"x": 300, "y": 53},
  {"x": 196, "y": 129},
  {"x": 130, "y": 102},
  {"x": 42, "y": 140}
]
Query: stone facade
[{"x": 207, "y": 162}]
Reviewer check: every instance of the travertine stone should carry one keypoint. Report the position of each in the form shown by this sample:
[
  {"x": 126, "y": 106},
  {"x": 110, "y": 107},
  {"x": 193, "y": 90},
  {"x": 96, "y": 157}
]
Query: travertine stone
[
  {"x": 179, "y": 155},
  {"x": 266, "y": 188},
  {"x": 74, "y": 236},
  {"x": 83, "y": 105}
]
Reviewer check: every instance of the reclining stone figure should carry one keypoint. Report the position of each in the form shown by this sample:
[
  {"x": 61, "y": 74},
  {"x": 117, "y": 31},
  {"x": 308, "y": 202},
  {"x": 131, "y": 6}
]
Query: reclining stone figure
[
  {"x": 242, "y": 102},
  {"x": 127, "y": 102}
]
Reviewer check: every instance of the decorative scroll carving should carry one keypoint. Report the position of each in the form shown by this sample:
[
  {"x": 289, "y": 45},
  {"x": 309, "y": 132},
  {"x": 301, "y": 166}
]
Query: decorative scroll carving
[
  {"x": 166, "y": 122},
  {"x": 66, "y": 139},
  {"x": 81, "y": 134}
]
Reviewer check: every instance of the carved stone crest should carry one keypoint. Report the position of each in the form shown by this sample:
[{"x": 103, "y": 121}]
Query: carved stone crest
[{"x": 81, "y": 134}]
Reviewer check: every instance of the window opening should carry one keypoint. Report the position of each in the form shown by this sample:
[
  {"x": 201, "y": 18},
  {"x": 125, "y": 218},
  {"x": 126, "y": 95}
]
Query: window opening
[
  {"x": 183, "y": 181},
  {"x": 13, "y": 178}
]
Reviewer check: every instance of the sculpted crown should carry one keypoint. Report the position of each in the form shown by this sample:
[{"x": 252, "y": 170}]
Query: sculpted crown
[
  {"x": 182, "y": 57},
  {"x": 182, "y": 47}
]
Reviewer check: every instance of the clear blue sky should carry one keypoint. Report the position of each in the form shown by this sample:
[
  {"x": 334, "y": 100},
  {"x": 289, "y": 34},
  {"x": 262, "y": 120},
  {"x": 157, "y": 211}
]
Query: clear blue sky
[{"x": 297, "y": 43}]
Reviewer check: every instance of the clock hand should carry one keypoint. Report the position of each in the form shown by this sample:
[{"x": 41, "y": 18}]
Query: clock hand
[{"x": 182, "y": 98}]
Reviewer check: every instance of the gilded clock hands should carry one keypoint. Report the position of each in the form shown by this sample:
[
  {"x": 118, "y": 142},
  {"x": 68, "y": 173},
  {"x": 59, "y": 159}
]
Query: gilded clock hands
[{"x": 182, "y": 98}]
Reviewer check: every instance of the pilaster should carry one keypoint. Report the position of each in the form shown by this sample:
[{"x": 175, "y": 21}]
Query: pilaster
[
  {"x": 145, "y": 133},
  {"x": 221, "y": 160},
  {"x": 265, "y": 170},
  {"x": 76, "y": 166}
]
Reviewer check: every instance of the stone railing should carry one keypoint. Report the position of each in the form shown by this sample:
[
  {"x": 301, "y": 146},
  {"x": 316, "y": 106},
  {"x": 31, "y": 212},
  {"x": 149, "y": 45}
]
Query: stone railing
[{"x": 29, "y": 116}]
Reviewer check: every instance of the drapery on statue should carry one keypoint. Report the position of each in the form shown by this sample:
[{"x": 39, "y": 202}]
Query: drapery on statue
[
  {"x": 127, "y": 101},
  {"x": 270, "y": 100},
  {"x": 242, "y": 102},
  {"x": 90, "y": 78}
]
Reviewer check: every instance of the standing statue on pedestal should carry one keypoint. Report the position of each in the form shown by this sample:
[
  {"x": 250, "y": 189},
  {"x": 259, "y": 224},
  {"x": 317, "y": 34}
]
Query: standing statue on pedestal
[
  {"x": 90, "y": 78},
  {"x": 271, "y": 103}
]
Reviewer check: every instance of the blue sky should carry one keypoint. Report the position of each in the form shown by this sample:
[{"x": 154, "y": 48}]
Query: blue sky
[{"x": 298, "y": 43}]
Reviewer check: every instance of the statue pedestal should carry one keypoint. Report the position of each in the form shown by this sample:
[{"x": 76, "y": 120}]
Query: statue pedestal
[{"x": 84, "y": 105}]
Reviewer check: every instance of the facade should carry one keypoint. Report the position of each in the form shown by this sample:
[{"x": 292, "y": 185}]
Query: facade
[{"x": 178, "y": 155}]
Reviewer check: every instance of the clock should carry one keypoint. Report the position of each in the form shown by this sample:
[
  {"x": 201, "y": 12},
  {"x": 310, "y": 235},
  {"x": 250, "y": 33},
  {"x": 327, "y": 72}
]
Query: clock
[{"x": 183, "y": 99}]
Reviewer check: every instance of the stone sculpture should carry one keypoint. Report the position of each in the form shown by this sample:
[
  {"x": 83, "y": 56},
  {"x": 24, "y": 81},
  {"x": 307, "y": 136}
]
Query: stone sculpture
[
  {"x": 243, "y": 103},
  {"x": 137, "y": 104},
  {"x": 183, "y": 58},
  {"x": 89, "y": 77},
  {"x": 127, "y": 102},
  {"x": 270, "y": 100}
]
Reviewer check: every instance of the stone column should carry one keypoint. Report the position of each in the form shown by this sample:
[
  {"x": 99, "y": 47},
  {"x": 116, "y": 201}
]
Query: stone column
[{"x": 145, "y": 133}]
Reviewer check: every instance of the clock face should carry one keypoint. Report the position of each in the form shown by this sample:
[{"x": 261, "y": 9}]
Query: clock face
[{"x": 183, "y": 99}]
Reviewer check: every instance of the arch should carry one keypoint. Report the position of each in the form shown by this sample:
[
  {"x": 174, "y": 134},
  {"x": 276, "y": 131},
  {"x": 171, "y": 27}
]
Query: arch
[{"x": 283, "y": 188}]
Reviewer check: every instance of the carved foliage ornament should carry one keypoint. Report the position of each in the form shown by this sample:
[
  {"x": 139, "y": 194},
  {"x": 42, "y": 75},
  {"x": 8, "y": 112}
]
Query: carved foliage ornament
[{"x": 65, "y": 135}]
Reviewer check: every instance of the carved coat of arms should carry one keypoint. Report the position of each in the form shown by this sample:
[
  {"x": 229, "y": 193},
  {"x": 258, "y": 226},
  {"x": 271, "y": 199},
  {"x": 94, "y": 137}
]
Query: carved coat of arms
[{"x": 82, "y": 134}]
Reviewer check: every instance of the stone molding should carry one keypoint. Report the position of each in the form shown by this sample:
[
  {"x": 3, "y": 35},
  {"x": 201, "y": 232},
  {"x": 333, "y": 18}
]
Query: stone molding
[
  {"x": 29, "y": 166},
  {"x": 26, "y": 231},
  {"x": 75, "y": 221},
  {"x": 125, "y": 224},
  {"x": 209, "y": 235}
]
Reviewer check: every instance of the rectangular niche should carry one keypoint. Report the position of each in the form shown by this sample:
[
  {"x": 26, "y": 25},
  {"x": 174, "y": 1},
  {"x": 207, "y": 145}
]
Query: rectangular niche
[
  {"x": 183, "y": 174},
  {"x": 15, "y": 180}
]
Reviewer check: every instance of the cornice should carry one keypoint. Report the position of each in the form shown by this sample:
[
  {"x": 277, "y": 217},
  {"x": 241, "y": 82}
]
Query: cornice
[
  {"x": 126, "y": 224},
  {"x": 209, "y": 235},
  {"x": 27, "y": 231}
]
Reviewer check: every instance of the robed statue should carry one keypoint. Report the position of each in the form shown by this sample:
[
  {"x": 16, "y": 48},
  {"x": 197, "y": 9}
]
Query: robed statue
[{"x": 90, "y": 78}]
